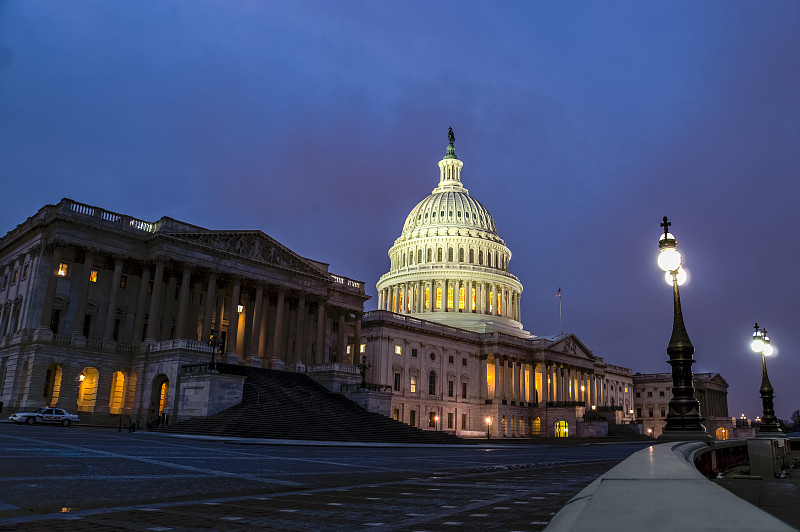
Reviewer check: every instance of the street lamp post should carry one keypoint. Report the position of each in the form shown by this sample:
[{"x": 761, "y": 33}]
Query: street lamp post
[
  {"x": 488, "y": 427},
  {"x": 214, "y": 343},
  {"x": 769, "y": 423},
  {"x": 683, "y": 421},
  {"x": 363, "y": 367}
]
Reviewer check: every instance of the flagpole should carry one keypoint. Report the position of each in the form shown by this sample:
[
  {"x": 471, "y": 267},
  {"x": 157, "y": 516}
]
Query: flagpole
[{"x": 560, "y": 315}]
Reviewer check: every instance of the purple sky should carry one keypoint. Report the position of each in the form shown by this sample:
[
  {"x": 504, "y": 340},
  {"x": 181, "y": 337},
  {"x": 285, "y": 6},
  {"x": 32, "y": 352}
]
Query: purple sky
[{"x": 580, "y": 126}]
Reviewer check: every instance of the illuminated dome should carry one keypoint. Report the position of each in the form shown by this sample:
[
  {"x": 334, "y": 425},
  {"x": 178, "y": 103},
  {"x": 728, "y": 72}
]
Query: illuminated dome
[{"x": 450, "y": 264}]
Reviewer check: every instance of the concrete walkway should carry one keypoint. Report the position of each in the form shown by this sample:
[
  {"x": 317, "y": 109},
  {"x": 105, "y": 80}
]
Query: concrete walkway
[{"x": 776, "y": 496}]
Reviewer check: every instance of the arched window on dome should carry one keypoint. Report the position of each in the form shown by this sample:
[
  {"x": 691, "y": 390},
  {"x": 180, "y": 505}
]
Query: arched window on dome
[
  {"x": 404, "y": 260},
  {"x": 439, "y": 255},
  {"x": 472, "y": 256},
  {"x": 449, "y": 254},
  {"x": 419, "y": 256},
  {"x": 460, "y": 254},
  {"x": 480, "y": 257},
  {"x": 430, "y": 255},
  {"x": 489, "y": 259}
]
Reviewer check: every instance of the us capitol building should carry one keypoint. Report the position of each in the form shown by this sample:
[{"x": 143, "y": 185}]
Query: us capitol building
[{"x": 101, "y": 313}]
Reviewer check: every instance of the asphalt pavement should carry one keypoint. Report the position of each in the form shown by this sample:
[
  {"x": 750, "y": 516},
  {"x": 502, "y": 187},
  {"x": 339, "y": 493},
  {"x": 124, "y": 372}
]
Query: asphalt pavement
[{"x": 77, "y": 478}]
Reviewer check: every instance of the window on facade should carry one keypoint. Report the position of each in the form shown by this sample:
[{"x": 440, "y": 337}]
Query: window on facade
[
  {"x": 396, "y": 414},
  {"x": 400, "y": 301},
  {"x": 438, "y": 297},
  {"x": 433, "y": 356},
  {"x": 397, "y": 382},
  {"x": 480, "y": 257},
  {"x": 414, "y": 353},
  {"x": 427, "y": 297},
  {"x": 472, "y": 256},
  {"x": 463, "y": 422},
  {"x": 398, "y": 350},
  {"x": 432, "y": 419},
  {"x": 649, "y": 394},
  {"x": 412, "y": 418},
  {"x": 463, "y": 361},
  {"x": 123, "y": 281},
  {"x": 349, "y": 349},
  {"x": 93, "y": 276},
  {"x": 461, "y": 298},
  {"x": 14, "y": 276},
  {"x": 450, "y": 297},
  {"x": 474, "y": 299},
  {"x": 663, "y": 413},
  {"x": 430, "y": 254},
  {"x": 449, "y": 420},
  {"x": 450, "y": 389},
  {"x": 449, "y": 254},
  {"x": 432, "y": 383},
  {"x": 87, "y": 323},
  {"x": 25, "y": 271},
  {"x": 439, "y": 255},
  {"x": 450, "y": 359},
  {"x": 626, "y": 389},
  {"x": 638, "y": 394},
  {"x": 661, "y": 394},
  {"x": 461, "y": 255},
  {"x": 650, "y": 412},
  {"x": 463, "y": 390},
  {"x": 413, "y": 384},
  {"x": 362, "y": 349},
  {"x": 638, "y": 412},
  {"x": 489, "y": 259}
]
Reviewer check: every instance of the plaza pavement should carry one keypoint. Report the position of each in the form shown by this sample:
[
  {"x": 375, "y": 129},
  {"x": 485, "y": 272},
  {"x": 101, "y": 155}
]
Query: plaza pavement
[{"x": 79, "y": 478}]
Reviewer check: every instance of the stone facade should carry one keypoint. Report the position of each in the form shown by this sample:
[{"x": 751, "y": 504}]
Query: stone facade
[
  {"x": 99, "y": 311},
  {"x": 653, "y": 392}
]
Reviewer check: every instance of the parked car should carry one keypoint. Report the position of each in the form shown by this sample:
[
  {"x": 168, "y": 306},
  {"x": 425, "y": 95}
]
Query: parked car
[{"x": 45, "y": 415}]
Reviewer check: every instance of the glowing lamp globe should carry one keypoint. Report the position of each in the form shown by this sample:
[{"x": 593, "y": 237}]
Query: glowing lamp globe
[
  {"x": 757, "y": 344},
  {"x": 768, "y": 350},
  {"x": 681, "y": 277},
  {"x": 669, "y": 259}
]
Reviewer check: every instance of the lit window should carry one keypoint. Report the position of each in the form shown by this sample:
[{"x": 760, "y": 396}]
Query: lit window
[
  {"x": 398, "y": 350},
  {"x": 93, "y": 276},
  {"x": 363, "y": 348},
  {"x": 349, "y": 350},
  {"x": 449, "y": 297},
  {"x": 626, "y": 389},
  {"x": 413, "y": 384},
  {"x": 427, "y": 296},
  {"x": 14, "y": 276},
  {"x": 461, "y": 298},
  {"x": 123, "y": 281},
  {"x": 63, "y": 269},
  {"x": 438, "y": 297},
  {"x": 409, "y": 300},
  {"x": 400, "y": 301},
  {"x": 25, "y": 271},
  {"x": 474, "y": 297}
]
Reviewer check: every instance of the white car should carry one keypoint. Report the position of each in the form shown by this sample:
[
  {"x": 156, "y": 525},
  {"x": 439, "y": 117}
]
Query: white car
[{"x": 45, "y": 415}]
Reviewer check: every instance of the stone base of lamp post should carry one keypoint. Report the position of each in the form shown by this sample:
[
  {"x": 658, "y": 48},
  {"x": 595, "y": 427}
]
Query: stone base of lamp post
[{"x": 684, "y": 435}]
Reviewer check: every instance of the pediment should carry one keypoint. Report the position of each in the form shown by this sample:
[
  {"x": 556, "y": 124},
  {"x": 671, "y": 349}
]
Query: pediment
[
  {"x": 252, "y": 245},
  {"x": 570, "y": 345}
]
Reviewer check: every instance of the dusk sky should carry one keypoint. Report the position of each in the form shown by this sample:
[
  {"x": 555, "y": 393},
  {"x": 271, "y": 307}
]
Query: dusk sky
[{"x": 580, "y": 126}]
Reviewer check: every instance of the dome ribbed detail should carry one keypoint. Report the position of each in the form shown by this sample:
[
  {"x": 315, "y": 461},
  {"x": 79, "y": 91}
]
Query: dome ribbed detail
[{"x": 450, "y": 209}]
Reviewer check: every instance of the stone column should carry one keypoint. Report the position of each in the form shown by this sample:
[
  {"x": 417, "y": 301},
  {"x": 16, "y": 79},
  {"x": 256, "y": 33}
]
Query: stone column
[
  {"x": 155, "y": 304},
  {"x": 83, "y": 284},
  {"x": 50, "y": 291},
  {"x": 506, "y": 380},
  {"x": 141, "y": 302},
  {"x": 497, "y": 395},
  {"x": 233, "y": 322},
  {"x": 483, "y": 387},
  {"x": 319, "y": 354},
  {"x": 341, "y": 339},
  {"x": 111, "y": 312},
  {"x": 300, "y": 336},
  {"x": 255, "y": 336},
  {"x": 208, "y": 311},
  {"x": 533, "y": 396},
  {"x": 183, "y": 302},
  {"x": 432, "y": 297},
  {"x": 357, "y": 348},
  {"x": 277, "y": 335}
]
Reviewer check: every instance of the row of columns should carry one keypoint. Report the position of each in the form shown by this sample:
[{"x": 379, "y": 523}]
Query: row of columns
[
  {"x": 255, "y": 318},
  {"x": 514, "y": 380},
  {"x": 570, "y": 383},
  {"x": 15, "y": 274},
  {"x": 404, "y": 298}
]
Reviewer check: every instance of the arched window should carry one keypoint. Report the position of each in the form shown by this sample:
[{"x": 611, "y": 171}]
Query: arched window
[
  {"x": 562, "y": 429},
  {"x": 472, "y": 256},
  {"x": 480, "y": 257},
  {"x": 87, "y": 389},
  {"x": 461, "y": 298},
  {"x": 489, "y": 259},
  {"x": 432, "y": 383},
  {"x": 404, "y": 260},
  {"x": 410, "y": 258},
  {"x": 439, "y": 255},
  {"x": 449, "y": 254},
  {"x": 427, "y": 296},
  {"x": 460, "y": 254},
  {"x": 536, "y": 427},
  {"x": 438, "y": 297},
  {"x": 116, "y": 400},
  {"x": 430, "y": 254},
  {"x": 419, "y": 256},
  {"x": 722, "y": 433}
]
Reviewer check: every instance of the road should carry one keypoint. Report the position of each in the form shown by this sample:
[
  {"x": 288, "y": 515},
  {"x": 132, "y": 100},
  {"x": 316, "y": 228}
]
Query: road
[{"x": 80, "y": 477}]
